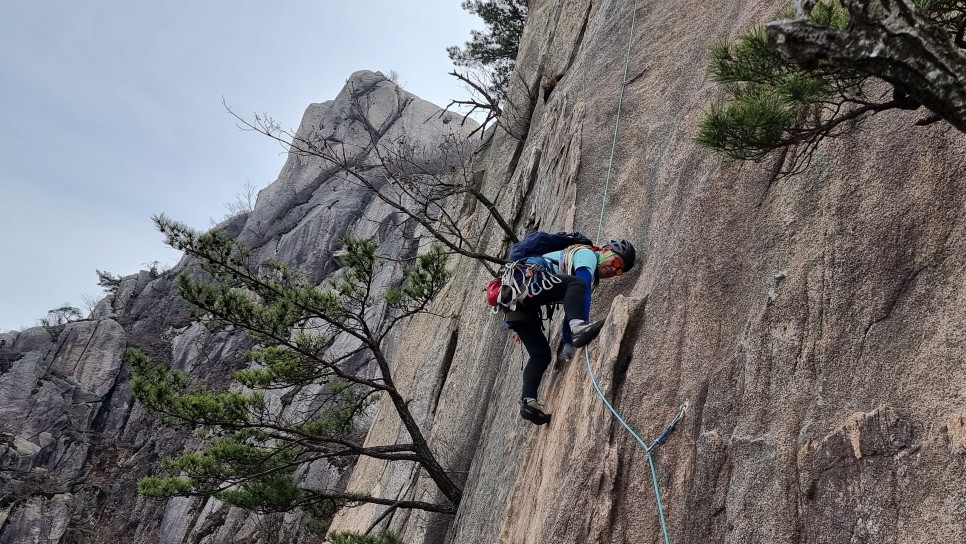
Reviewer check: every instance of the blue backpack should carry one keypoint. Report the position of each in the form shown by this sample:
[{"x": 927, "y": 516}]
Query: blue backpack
[{"x": 538, "y": 243}]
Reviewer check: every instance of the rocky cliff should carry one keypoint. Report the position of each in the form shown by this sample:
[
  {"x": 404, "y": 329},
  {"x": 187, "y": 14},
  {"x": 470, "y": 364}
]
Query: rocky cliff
[
  {"x": 811, "y": 324},
  {"x": 72, "y": 440}
]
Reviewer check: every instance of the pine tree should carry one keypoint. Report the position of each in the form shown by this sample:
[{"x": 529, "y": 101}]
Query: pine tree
[
  {"x": 252, "y": 454},
  {"x": 775, "y": 102},
  {"x": 495, "y": 48},
  {"x": 109, "y": 282}
]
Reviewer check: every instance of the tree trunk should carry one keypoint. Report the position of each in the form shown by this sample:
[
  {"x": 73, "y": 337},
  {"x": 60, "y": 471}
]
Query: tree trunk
[{"x": 891, "y": 40}]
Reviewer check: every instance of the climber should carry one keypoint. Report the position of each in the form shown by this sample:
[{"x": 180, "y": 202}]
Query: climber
[{"x": 578, "y": 267}]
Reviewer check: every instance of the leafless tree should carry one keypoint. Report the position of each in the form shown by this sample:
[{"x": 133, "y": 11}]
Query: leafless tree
[
  {"x": 494, "y": 109},
  {"x": 88, "y": 303},
  {"x": 244, "y": 203},
  {"x": 397, "y": 173}
]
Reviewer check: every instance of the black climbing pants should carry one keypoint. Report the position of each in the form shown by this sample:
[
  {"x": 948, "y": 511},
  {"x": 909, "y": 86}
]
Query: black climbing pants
[{"x": 525, "y": 321}]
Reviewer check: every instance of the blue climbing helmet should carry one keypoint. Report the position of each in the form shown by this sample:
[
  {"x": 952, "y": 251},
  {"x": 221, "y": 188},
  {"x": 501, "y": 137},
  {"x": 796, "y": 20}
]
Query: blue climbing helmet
[{"x": 624, "y": 250}]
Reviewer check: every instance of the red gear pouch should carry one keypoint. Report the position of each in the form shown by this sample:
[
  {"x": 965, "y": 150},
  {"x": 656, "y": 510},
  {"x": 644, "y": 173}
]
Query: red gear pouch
[{"x": 493, "y": 291}]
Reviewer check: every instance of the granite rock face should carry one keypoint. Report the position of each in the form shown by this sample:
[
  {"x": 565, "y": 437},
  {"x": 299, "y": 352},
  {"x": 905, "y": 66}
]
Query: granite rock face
[{"x": 811, "y": 325}]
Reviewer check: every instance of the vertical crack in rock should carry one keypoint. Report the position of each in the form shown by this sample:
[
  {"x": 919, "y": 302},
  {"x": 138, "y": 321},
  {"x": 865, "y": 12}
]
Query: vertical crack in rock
[
  {"x": 99, "y": 421},
  {"x": 714, "y": 414},
  {"x": 630, "y": 336},
  {"x": 87, "y": 345},
  {"x": 445, "y": 366},
  {"x": 579, "y": 40},
  {"x": 54, "y": 351}
]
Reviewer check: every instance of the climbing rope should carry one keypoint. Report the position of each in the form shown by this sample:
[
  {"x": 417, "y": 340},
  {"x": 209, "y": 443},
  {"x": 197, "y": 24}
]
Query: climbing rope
[
  {"x": 617, "y": 123},
  {"x": 647, "y": 449},
  {"x": 593, "y": 378},
  {"x": 522, "y": 279}
]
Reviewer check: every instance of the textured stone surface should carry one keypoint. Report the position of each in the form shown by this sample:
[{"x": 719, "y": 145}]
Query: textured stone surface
[
  {"x": 812, "y": 325},
  {"x": 90, "y": 352}
]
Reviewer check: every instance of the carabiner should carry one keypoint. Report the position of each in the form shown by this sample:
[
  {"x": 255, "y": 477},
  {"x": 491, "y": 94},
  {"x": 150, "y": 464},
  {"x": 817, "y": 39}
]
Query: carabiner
[
  {"x": 547, "y": 281},
  {"x": 535, "y": 288}
]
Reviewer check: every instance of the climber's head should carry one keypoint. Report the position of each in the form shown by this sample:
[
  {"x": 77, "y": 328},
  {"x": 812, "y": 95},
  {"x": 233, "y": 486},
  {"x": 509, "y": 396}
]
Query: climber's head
[{"x": 616, "y": 257}]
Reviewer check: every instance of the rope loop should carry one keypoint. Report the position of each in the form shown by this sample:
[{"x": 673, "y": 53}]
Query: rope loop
[{"x": 522, "y": 279}]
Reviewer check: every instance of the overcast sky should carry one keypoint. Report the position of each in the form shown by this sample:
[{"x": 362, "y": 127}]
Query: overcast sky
[{"x": 112, "y": 113}]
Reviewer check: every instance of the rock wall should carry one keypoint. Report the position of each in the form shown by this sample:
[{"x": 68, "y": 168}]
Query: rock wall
[{"x": 811, "y": 324}]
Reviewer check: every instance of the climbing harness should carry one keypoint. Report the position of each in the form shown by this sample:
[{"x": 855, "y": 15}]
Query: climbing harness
[
  {"x": 522, "y": 279},
  {"x": 593, "y": 378}
]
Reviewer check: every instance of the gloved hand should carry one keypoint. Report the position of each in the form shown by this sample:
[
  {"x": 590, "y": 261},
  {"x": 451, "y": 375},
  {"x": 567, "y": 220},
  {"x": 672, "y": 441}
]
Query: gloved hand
[{"x": 566, "y": 353}]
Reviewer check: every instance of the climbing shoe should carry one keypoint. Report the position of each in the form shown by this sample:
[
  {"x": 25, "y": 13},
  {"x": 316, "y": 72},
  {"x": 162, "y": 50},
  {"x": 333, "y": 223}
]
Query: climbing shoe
[
  {"x": 530, "y": 411},
  {"x": 585, "y": 332}
]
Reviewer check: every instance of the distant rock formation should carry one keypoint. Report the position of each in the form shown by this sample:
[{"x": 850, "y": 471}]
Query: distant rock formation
[{"x": 73, "y": 443}]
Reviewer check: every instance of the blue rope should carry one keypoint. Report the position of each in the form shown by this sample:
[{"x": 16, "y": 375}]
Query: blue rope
[
  {"x": 617, "y": 123},
  {"x": 600, "y": 224},
  {"x": 647, "y": 449}
]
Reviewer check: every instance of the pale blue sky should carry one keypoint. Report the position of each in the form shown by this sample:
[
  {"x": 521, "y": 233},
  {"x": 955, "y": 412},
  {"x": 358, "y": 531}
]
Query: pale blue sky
[{"x": 112, "y": 112}]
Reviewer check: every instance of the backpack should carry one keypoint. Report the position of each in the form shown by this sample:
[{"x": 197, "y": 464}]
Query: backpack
[{"x": 538, "y": 243}]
